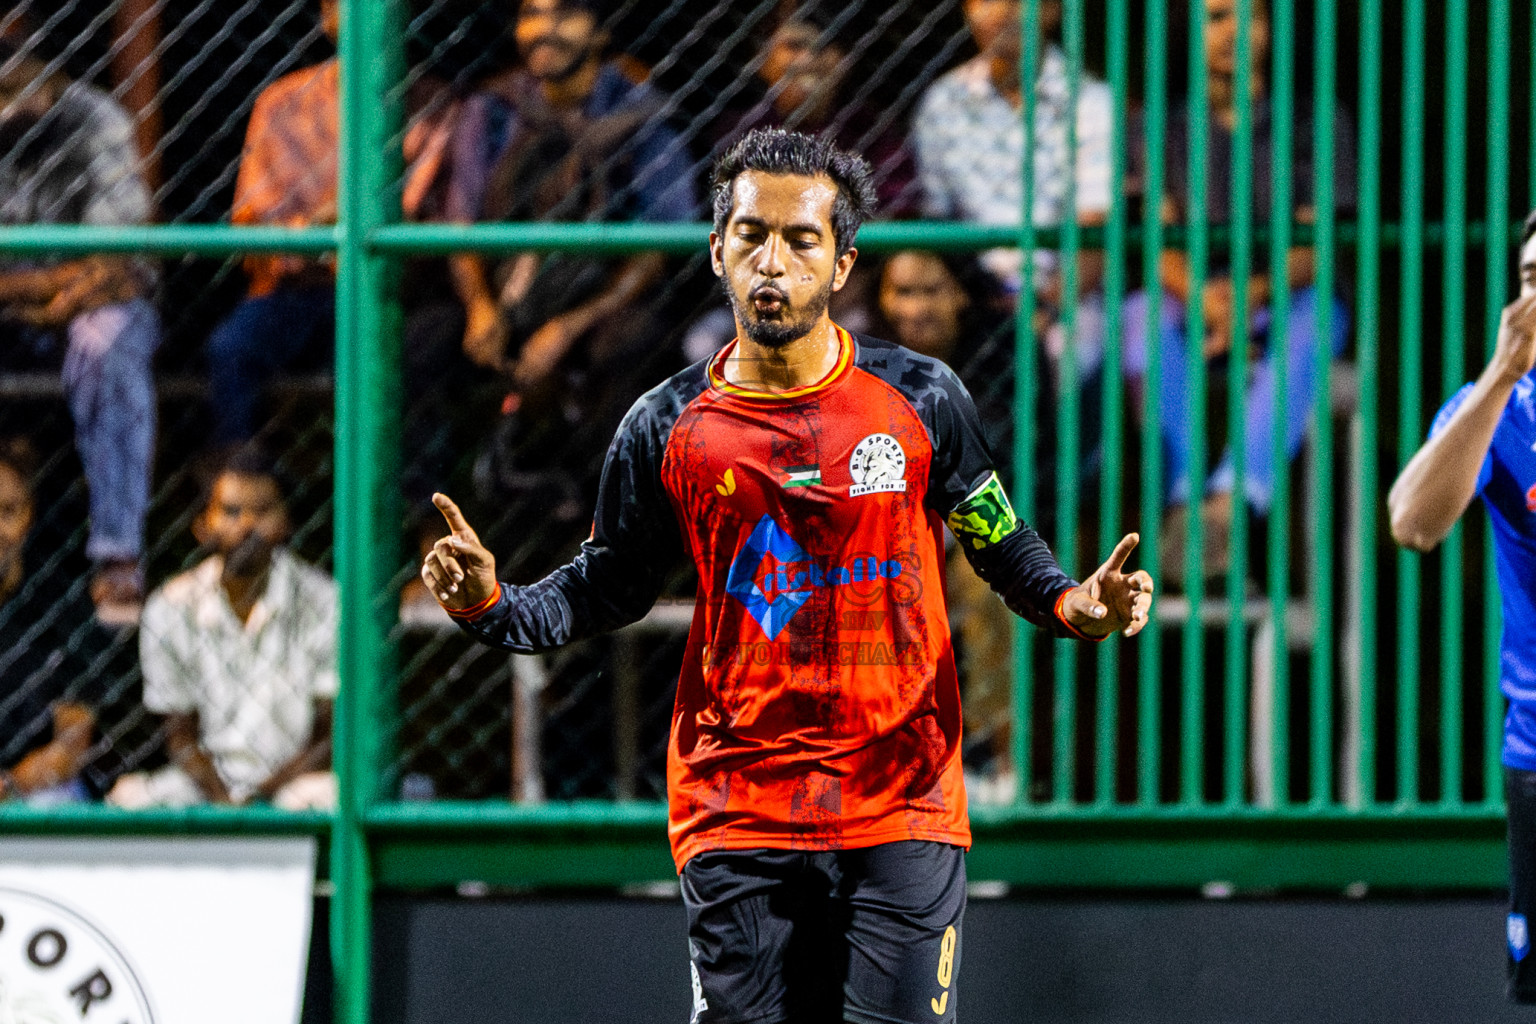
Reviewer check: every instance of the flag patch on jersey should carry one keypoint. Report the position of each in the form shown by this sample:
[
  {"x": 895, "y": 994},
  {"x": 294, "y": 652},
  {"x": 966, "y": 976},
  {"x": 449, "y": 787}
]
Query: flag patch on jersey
[{"x": 802, "y": 476}]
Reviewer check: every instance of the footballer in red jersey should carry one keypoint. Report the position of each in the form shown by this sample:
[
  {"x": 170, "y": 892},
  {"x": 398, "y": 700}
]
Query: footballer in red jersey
[{"x": 817, "y": 807}]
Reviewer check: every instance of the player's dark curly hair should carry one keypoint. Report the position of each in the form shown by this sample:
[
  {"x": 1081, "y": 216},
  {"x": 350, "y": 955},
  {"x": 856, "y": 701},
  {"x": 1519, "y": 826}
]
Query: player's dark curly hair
[{"x": 779, "y": 151}]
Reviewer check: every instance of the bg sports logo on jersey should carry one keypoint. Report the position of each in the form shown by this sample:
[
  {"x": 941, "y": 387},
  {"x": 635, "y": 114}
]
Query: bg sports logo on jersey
[{"x": 773, "y": 576}]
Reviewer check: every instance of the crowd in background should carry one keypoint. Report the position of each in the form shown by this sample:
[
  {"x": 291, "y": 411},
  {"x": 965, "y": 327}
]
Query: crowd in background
[{"x": 518, "y": 366}]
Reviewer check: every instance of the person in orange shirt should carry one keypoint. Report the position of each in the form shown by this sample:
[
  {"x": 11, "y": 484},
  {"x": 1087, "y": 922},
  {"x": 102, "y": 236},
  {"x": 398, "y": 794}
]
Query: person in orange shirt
[{"x": 287, "y": 178}]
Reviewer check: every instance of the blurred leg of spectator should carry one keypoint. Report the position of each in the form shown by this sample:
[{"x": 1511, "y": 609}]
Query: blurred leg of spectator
[
  {"x": 260, "y": 337},
  {"x": 1298, "y": 348},
  {"x": 171, "y": 787},
  {"x": 108, "y": 375},
  {"x": 984, "y": 634},
  {"x": 438, "y": 383},
  {"x": 1263, "y": 399}
]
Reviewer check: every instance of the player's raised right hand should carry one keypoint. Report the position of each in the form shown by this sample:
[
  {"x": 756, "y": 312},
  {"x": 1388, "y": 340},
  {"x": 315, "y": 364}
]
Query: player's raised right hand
[
  {"x": 1514, "y": 354},
  {"x": 458, "y": 571}
]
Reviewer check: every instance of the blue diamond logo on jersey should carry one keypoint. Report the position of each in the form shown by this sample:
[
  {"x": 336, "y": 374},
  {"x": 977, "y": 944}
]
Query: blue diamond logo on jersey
[
  {"x": 1519, "y": 936},
  {"x": 768, "y": 538}
]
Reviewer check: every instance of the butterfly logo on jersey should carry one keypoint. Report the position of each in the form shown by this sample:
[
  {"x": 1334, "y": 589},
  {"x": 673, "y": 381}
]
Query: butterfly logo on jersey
[
  {"x": 727, "y": 485},
  {"x": 877, "y": 464}
]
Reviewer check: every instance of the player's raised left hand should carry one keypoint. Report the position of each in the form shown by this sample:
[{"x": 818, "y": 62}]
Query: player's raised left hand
[{"x": 1111, "y": 600}]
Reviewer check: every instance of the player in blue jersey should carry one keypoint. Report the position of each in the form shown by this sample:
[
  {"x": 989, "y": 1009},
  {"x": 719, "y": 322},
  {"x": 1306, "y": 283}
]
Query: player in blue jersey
[{"x": 1483, "y": 442}]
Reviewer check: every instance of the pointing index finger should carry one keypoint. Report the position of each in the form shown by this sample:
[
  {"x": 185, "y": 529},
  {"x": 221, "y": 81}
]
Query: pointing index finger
[
  {"x": 1117, "y": 557},
  {"x": 456, "y": 521}
]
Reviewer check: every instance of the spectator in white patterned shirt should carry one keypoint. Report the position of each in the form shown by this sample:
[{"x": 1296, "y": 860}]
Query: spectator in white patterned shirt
[
  {"x": 239, "y": 654},
  {"x": 969, "y": 138}
]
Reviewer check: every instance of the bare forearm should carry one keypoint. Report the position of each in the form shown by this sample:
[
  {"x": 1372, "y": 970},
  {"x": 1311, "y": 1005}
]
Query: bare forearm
[
  {"x": 630, "y": 281},
  {"x": 468, "y": 273},
  {"x": 50, "y": 765},
  {"x": 314, "y": 758},
  {"x": 1440, "y": 481},
  {"x": 198, "y": 766}
]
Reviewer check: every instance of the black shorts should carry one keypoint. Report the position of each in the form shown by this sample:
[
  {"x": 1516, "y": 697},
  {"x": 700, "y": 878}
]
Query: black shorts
[
  {"x": 1520, "y": 795},
  {"x": 869, "y": 935}
]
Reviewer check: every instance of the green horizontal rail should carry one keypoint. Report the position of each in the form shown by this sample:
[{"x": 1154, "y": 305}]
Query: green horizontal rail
[
  {"x": 431, "y": 846},
  {"x": 430, "y": 239},
  {"x": 99, "y": 819},
  {"x": 166, "y": 239}
]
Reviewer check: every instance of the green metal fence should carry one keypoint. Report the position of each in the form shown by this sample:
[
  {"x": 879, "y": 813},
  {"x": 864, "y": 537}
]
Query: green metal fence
[{"x": 1322, "y": 711}]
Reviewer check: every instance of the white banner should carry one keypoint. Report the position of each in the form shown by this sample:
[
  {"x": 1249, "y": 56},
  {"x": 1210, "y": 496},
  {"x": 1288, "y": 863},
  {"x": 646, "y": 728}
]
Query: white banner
[{"x": 154, "y": 931}]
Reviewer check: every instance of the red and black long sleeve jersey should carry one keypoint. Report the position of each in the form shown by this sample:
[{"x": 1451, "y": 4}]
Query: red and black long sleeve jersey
[{"x": 817, "y": 705}]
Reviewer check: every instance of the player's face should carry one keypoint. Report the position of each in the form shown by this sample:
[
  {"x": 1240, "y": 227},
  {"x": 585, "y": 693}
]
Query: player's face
[
  {"x": 15, "y": 516},
  {"x": 1221, "y": 17},
  {"x": 778, "y": 257},
  {"x": 555, "y": 40},
  {"x": 923, "y": 303},
  {"x": 244, "y": 521},
  {"x": 1528, "y": 267}
]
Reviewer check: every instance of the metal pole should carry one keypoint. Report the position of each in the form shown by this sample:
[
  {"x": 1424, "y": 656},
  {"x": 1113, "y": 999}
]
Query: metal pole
[{"x": 367, "y": 379}]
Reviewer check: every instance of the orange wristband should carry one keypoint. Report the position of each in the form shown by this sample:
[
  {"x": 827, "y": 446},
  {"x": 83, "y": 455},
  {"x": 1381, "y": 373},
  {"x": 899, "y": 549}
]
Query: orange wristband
[
  {"x": 474, "y": 611},
  {"x": 1071, "y": 628}
]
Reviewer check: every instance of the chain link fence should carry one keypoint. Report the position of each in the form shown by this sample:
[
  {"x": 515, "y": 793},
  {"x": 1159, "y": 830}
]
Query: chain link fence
[
  {"x": 123, "y": 114},
  {"x": 132, "y": 379}
]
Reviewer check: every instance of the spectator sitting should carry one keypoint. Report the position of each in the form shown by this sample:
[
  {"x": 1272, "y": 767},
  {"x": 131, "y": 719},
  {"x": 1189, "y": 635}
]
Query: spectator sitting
[
  {"x": 802, "y": 70},
  {"x": 287, "y": 178},
  {"x": 1298, "y": 338},
  {"x": 47, "y": 642},
  {"x": 239, "y": 654},
  {"x": 67, "y": 156},
  {"x": 567, "y": 136},
  {"x": 969, "y": 138},
  {"x": 927, "y": 308}
]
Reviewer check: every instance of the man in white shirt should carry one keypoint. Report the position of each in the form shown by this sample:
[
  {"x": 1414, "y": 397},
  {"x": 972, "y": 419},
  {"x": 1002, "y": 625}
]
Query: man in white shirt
[
  {"x": 969, "y": 139},
  {"x": 239, "y": 655}
]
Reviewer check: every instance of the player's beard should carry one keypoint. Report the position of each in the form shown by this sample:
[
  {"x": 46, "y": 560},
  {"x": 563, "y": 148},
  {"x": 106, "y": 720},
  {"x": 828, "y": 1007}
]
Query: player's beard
[{"x": 788, "y": 325}]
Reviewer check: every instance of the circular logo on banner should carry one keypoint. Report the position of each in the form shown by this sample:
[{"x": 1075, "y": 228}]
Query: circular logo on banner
[
  {"x": 57, "y": 967},
  {"x": 877, "y": 464}
]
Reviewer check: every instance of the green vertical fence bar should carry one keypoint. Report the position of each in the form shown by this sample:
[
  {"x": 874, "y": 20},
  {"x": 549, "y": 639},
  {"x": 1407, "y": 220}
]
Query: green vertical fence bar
[
  {"x": 1241, "y": 264},
  {"x": 1324, "y": 29},
  {"x": 1496, "y": 264},
  {"x": 1024, "y": 404},
  {"x": 1149, "y": 675},
  {"x": 1197, "y": 219},
  {"x": 1411, "y": 385},
  {"x": 1280, "y": 213},
  {"x": 1111, "y": 489},
  {"x": 1069, "y": 421},
  {"x": 1367, "y": 341},
  {"x": 367, "y": 367},
  {"x": 1453, "y": 311}
]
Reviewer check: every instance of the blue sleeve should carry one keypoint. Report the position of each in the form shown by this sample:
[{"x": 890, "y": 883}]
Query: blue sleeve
[{"x": 1443, "y": 420}]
